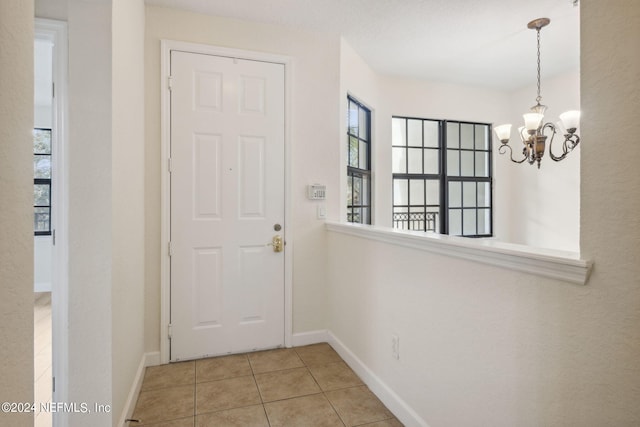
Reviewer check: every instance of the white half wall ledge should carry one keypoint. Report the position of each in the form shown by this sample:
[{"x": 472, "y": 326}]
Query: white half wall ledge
[{"x": 554, "y": 264}]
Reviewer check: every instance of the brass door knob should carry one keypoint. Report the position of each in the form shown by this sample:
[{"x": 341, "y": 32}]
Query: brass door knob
[{"x": 278, "y": 243}]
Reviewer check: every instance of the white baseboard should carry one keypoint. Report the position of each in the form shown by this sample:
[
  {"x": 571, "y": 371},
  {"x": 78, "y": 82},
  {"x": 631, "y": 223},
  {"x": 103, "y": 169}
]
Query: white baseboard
[
  {"x": 152, "y": 358},
  {"x": 311, "y": 337},
  {"x": 148, "y": 359},
  {"x": 391, "y": 400}
]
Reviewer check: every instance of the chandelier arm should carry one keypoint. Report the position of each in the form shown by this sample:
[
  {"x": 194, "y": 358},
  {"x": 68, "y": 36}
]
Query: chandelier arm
[
  {"x": 571, "y": 141},
  {"x": 502, "y": 150}
]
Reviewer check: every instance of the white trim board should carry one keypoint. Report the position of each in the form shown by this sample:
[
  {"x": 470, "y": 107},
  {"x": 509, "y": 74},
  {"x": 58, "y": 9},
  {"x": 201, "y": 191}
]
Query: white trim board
[
  {"x": 307, "y": 338},
  {"x": 148, "y": 359},
  {"x": 560, "y": 265},
  {"x": 166, "y": 46},
  {"x": 56, "y": 32}
]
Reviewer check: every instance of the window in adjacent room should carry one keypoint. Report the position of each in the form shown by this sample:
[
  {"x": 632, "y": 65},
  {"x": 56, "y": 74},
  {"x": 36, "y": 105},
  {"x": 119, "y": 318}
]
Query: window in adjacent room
[
  {"x": 442, "y": 176},
  {"x": 358, "y": 162},
  {"x": 42, "y": 181}
]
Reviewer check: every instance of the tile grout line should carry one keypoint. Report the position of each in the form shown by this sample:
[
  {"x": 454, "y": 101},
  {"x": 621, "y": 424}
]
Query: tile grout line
[
  {"x": 195, "y": 391},
  {"x": 264, "y": 409},
  {"x": 261, "y": 397},
  {"x": 321, "y": 390}
]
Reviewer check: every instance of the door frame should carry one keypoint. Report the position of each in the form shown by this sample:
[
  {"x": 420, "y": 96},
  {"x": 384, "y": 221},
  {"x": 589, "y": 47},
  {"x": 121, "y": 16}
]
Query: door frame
[
  {"x": 56, "y": 32},
  {"x": 166, "y": 47}
]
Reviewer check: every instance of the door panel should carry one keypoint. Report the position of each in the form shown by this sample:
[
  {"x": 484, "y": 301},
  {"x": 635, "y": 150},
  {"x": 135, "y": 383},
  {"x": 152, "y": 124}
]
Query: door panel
[{"x": 227, "y": 192}]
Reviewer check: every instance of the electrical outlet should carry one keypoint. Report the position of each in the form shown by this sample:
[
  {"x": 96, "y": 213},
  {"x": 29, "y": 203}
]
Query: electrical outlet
[{"x": 395, "y": 346}]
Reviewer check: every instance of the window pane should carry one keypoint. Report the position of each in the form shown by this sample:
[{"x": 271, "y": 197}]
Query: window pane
[
  {"x": 353, "y": 151},
  {"x": 349, "y": 190},
  {"x": 453, "y": 135},
  {"x": 415, "y": 133},
  {"x": 364, "y": 125},
  {"x": 415, "y": 160},
  {"x": 455, "y": 194},
  {"x": 484, "y": 221},
  {"x": 433, "y": 192},
  {"x": 469, "y": 194},
  {"x": 365, "y": 190},
  {"x": 400, "y": 218},
  {"x": 431, "y": 161},
  {"x": 482, "y": 163},
  {"x": 41, "y": 195},
  {"x": 417, "y": 219},
  {"x": 484, "y": 194},
  {"x": 466, "y": 158},
  {"x": 41, "y": 219},
  {"x": 366, "y": 215},
  {"x": 455, "y": 222},
  {"x": 399, "y": 160},
  {"x": 356, "y": 215},
  {"x": 398, "y": 131},
  {"x": 41, "y": 141},
  {"x": 482, "y": 137},
  {"x": 430, "y": 133},
  {"x": 400, "y": 192},
  {"x": 433, "y": 224},
  {"x": 364, "y": 155},
  {"x": 353, "y": 118},
  {"x": 453, "y": 163},
  {"x": 416, "y": 192},
  {"x": 466, "y": 135},
  {"x": 469, "y": 220},
  {"x": 357, "y": 190},
  {"x": 42, "y": 166}
]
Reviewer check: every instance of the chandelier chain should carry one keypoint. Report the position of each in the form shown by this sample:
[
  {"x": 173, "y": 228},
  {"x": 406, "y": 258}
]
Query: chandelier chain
[{"x": 538, "y": 98}]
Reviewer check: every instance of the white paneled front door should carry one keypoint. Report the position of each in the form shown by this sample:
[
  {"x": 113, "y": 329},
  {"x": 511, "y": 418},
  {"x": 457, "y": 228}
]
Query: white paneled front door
[{"x": 227, "y": 205}]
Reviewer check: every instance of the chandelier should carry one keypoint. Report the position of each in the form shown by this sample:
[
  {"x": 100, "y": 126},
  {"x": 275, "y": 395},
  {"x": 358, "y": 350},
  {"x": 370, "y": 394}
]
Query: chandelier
[{"x": 532, "y": 133}]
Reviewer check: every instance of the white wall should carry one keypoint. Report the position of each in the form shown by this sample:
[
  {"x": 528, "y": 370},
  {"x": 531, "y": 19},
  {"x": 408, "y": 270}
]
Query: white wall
[
  {"x": 358, "y": 80},
  {"x": 90, "y": 209},
  {"x": 543, "y": 206},
  {"x": 16, "y": 209},
  {"x": 480, "y": 345},
  {"x": 106, "y": 202},
  {"x": 128, "y": 251},
  {"x": 315, "y": 149}
]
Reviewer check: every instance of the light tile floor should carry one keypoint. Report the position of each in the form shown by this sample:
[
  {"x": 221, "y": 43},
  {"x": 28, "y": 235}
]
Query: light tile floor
[
  {"x": 302, "y": 386},
  {"x": 42, "y": 355}
]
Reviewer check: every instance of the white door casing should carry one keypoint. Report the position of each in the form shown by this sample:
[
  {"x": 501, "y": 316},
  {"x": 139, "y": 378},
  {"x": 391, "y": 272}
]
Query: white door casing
[{"x": 227, "y": 185}]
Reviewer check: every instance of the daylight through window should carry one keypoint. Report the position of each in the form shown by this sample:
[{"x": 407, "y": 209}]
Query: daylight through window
[
  {"x": 442, "y": 176},
  {"x": 358, "y": 163},
  {"x": 42, "y": 181}
]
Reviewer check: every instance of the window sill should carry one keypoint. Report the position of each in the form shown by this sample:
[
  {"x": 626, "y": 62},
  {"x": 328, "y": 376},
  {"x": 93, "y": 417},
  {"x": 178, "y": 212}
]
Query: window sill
[{"x": 560, "y": 265}]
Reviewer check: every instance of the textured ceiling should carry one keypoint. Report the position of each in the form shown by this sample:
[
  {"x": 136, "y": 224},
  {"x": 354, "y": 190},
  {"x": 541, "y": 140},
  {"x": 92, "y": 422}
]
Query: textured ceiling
[{"x": 478, "y": 42}]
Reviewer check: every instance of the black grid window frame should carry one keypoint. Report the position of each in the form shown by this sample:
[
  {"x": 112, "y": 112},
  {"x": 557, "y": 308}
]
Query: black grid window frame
[
  {"x": 465, "y": 179},
  {"x": 359, "y": 202},
  {"x": 409, "y": 215},
  {"x": 43, "y": 182},
  {"x": 441, "y": 223}
]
